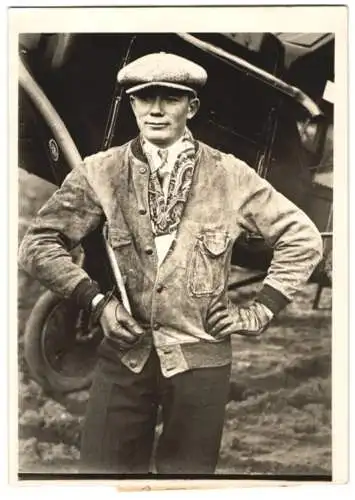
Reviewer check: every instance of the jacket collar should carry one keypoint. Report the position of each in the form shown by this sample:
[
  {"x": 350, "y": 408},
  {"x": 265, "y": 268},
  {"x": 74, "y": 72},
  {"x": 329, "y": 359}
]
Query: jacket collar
[{"x": 137, "y": 150}]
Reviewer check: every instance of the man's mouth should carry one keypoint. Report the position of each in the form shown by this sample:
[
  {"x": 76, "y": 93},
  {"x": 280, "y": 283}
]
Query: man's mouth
[{"x": 156, "y": 125}]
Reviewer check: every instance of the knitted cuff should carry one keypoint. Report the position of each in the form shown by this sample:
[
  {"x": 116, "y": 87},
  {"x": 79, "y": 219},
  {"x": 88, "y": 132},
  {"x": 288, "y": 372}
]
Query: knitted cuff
[
  {"x": 272, "y": 299},
  {"x": 84, "y": 292}
]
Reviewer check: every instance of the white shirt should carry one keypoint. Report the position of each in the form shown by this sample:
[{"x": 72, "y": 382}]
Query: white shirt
[{"x": 164, "y": 241}]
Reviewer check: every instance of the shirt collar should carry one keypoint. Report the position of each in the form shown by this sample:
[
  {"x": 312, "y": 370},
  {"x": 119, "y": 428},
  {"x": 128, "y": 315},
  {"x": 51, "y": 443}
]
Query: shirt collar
[{"x": 151, "y": 151}]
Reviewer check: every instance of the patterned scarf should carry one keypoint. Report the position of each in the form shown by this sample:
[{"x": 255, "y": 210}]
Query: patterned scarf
[{"x": 166, "y": 213}]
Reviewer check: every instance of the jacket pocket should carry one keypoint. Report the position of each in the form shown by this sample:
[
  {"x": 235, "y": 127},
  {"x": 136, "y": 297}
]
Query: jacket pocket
[
  {"x": 206, "y": 272},
  {"x": 122, "y": 245}
]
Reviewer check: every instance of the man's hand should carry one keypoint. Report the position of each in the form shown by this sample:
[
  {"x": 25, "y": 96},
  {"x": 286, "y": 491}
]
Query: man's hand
[
  {"x": 119, "y": 326},
  {"x": 249, "y": 320}
]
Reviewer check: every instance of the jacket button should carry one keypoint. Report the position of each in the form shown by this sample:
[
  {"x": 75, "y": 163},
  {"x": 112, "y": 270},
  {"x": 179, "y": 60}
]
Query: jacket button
[
  {"x": 149, "y": 250},
  {"x": 142, "y": 211},
  {"x": 142, "y": 170},
  {"x": 133, "y": 364},
  {"x": 160, "y": 288},
  {"x": 156, "y": 326}
]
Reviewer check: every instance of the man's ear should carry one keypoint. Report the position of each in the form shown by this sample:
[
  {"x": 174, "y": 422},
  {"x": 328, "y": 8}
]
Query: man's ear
[
  {"x": 194, "y": 105},
  {"x": 131, "y": 99}
]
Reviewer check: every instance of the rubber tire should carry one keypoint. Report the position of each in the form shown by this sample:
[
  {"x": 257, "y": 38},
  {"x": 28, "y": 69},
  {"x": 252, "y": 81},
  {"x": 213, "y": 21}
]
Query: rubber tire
[{"x": 40, "y": 369}]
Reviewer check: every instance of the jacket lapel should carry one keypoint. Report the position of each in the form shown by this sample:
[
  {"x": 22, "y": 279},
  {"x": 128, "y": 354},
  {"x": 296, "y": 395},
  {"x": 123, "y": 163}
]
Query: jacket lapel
[{"x": 138, "y": 205}]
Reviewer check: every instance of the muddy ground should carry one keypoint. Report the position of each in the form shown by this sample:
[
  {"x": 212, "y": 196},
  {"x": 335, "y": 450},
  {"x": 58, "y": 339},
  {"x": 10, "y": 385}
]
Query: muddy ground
[{"x": 278, "y": 418}]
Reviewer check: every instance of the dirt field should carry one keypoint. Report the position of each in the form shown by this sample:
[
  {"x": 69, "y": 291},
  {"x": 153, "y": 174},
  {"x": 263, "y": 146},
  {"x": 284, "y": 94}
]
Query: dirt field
[{"x": 279, "y": 414}]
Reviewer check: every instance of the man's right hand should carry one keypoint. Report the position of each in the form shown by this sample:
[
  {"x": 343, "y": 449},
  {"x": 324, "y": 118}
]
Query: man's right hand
[{"x": 119, "y": 326}]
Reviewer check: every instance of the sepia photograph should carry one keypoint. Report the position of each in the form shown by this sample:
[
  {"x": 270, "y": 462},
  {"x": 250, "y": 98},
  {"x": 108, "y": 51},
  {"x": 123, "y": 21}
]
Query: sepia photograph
[{"x": 175, "y": 303}]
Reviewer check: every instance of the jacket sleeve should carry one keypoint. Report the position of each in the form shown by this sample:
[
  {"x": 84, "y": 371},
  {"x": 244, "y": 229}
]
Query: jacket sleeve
[
  {"x": 69, "y": 215},
  {"x": 295, "y": 239}
]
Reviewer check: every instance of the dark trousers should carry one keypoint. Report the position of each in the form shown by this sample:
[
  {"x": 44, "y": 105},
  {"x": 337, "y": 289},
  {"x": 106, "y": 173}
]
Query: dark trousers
[{"x": 119, "y": 427}]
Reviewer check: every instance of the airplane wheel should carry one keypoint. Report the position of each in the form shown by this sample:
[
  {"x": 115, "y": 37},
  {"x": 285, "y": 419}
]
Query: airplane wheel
[{"x": 59, "y": 347}]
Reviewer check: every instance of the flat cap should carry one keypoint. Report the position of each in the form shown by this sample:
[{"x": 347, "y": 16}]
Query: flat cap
[{"x": 163, "y": 70}]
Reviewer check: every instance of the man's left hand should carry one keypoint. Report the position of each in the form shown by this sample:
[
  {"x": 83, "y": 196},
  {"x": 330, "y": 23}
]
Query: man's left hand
[{"x": 250, "y": 320}]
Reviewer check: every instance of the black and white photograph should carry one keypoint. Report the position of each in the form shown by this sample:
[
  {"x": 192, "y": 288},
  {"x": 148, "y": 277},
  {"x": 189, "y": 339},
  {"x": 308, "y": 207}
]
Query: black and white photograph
[{"x": 175, "y": 247}]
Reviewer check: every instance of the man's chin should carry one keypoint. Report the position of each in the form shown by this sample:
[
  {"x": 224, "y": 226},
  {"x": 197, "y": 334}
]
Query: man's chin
[{"x": 160, "y": 138}]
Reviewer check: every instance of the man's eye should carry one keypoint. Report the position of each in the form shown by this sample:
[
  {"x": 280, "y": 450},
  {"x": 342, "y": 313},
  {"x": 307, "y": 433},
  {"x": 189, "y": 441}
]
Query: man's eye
[
  {"x": 172, "y": 98},
  {"x": 146, "y": 100}
]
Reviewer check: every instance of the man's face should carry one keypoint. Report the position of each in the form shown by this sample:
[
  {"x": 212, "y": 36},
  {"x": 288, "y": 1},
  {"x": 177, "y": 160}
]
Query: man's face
[{"x": 162, "y": 113}]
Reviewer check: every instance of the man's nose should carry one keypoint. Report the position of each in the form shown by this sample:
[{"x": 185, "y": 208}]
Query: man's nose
[{"x": 157, "y": 106}]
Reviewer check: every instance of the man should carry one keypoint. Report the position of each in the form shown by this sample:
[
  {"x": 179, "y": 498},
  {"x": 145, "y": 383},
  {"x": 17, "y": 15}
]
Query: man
[{"x": 174, "y": 207}]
